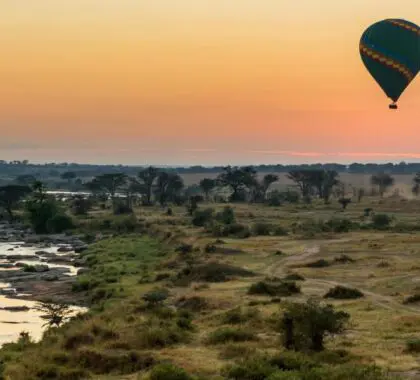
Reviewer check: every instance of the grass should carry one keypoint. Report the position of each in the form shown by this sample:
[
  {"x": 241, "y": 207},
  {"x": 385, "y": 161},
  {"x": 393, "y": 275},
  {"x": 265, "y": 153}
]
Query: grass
[{"x": 204, "y": 326}]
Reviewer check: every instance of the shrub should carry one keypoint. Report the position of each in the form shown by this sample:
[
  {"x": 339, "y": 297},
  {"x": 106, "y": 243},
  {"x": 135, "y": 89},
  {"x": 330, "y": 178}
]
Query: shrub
[
  {"x": 344, "y": 259},
  {"x": 213, "y": 272},
  {"x": 227, "y": 216},
  {"x": 412, "y": 299},
  {"x": 282, "y": 288},
  {"x": 343, "y": 293},
  {"x": 59, "y": 223},
  {"x": 238, "y": 316},
  {"x": 339, "y": 225},
  {"x": 256, "y": 368},
  {"x": 413, "y": 345},
  {"x": 210, "y": 248},
  {"x": 321, "y": 263},
  {"x": 280, "y": 231},
  {"x": 184, "y": 248},
  {"x": 194, "y": 303},
  {"x": 381, "y": 221},
  {"x": 261, "y": 229},
  {"x": 226, "y": 334},
  {"x": 294, "y": 277},
  {"x": 233, "y": 351},
  {"x": 125, "y": 224},
  {"x": 155, "y": 297},
  {"x": 275, "y": 198},
  {"x": 237, "y": 230},
  {"x": 202, "y": 217},
  {"x": 121, "y": 208},
  {"x": 168, "y": 372}
]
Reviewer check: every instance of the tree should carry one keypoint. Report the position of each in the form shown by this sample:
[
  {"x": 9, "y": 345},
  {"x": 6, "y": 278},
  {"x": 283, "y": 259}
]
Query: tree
[
  {"x": 207, "y": 185},
  {"x": 344, "y": 202},
  {"x": 11, "y": 195},
  {"x": 68, "y": 176},
  {"x": 305, "y": 325},
  {"x": 148, "y": 177},
  {"x": 238, "y": 179},
  {"x": 80, "y": 205},
  {"x": 108, "y": 184},
  {"x": 169, "y": 185},
  {"x": 25, "y": 179},
  {"x": 304, "y": 180},
  {"x": 416, "y": 185},
  {"x": 267, "y": 181},
  {"x": 329, "y": 180},
  {"x": 53, "y": 314},
  {"x": 383, "y": 181}
]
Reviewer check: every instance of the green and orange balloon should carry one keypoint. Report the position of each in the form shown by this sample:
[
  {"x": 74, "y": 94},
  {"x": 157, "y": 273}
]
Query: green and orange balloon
[{"x": 390, "y": 50}]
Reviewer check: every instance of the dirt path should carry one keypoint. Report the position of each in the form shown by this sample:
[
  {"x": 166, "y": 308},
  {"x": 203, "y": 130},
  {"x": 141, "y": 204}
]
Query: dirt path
[{"x": 279, "y": 269}]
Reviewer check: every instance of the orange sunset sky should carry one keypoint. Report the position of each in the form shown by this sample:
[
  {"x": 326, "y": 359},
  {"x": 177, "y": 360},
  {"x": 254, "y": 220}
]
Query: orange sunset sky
[{"x": 198, "y": 82}]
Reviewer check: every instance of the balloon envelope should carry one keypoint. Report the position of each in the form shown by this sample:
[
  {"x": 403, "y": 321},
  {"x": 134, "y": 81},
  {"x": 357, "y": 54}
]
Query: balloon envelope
[{"x": 390, "y": 50}]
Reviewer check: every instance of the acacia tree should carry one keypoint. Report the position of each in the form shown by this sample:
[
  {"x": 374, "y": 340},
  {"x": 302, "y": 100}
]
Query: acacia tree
[
  {"x": 147, "y": 178},
  {"x": 303, "y": 179},
  {"x": 238, "y": 179},
  {"x": 259, "y": 188},
  {"x": 25, "y": 179},
  {"x": 11, "y": 195},
  {"x": 416, "y": 185},
  {"x": 169, "y": 186},
  {"x": 53, "y": 314},
  {"x": 108, "y": 184},
  {"x": 305, "y": 325},
  {"x": 68, "y": 176},
  {"x": 383, "y": 181},
  {"x": 207, "y": 185}
]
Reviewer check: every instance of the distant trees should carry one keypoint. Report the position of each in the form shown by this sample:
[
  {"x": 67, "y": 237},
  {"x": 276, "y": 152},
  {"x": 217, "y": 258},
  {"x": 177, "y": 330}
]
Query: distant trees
[
  {"x": 207, "y": 185},
  {"x": 147, "y": 179},
  {"x": 25, "y": 179},
  {"x": 416, "y": 185},
  {"x": 68, "y": 176},
  {"x": 383, "y": 181},
  {"x": 312, "y": 182},
  {"x": 169, "y": 186},
  {"x": 11, "y": 195},
  {"x": 238, "y": 179},
  {"x": 108, "y": 184}
]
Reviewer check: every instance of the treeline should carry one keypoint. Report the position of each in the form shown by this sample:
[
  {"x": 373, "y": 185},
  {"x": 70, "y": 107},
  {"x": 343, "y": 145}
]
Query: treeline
[{"x": 15, "y": 168}]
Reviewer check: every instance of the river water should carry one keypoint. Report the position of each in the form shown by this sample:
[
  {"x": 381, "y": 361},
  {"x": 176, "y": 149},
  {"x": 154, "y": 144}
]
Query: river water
[{"x": 14, "y": 322}]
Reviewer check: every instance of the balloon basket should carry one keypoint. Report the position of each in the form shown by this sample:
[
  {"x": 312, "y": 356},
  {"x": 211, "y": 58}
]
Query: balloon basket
[{"x": 393, "y": 106}]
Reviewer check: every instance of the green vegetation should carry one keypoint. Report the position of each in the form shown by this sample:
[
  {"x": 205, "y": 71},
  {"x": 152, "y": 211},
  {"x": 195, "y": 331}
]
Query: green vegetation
[{"x": 169, "y": 299}]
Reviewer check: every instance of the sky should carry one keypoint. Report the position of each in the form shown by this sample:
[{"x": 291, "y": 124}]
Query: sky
[{"x": 191, "y": 82}]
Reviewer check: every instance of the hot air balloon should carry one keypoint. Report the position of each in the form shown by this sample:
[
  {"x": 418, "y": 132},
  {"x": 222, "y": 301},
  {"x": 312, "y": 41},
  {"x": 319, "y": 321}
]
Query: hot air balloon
[{"x": 390, "y": 50}]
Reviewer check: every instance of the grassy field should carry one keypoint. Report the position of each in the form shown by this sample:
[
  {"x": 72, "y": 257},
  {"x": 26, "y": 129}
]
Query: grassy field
[{"x": 380, "y": 261}]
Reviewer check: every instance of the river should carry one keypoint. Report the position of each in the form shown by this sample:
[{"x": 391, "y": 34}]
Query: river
[{"x": 16, "y": 321}]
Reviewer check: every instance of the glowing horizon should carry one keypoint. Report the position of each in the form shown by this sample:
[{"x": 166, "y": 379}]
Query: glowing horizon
[{"x": 136, "y": 81}]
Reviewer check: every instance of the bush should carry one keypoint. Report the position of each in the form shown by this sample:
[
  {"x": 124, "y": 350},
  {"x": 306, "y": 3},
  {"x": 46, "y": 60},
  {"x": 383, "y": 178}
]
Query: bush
[
  {"x": 318, "y": 264},
  {"x": 282, "y": 288},
  {"x": 59, "y": 223},
  {"x": 344, "y": 259},
  {"x": 125, "y": 224},
  {"x": 381, "y": 221},
  {"x": 343, "y": 293},
  {"x": 413, "y": 345},
  {"x": 210, "y": 248},
  {"x": 168, "y": 372},
  {"x": 238, "y": 316},
  {"x": 339, "y": 225},
  {"x": 155, "y": 297},
  {"x": 256, "y": 368},
  {"x": 275, "y": 198},
  {"x": 412, "y": 299},
  {"x": 121, "y": 208},
  {"x": 237, "y": 230},
  {"x": 225, "y": 335},
  {"x": 202, "y": 217},
  {"x": 184, "y": 248},
  {"x": 280, "y": 231},
  {"x": 233, "y": 351},
  {"x": 194, "y": 303},
  {"x": 261, "y": 229},
  {"x": 80, "y": 205},
  {"x": 294, "y": 277},
  {"x": 227, "y": 216}
]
